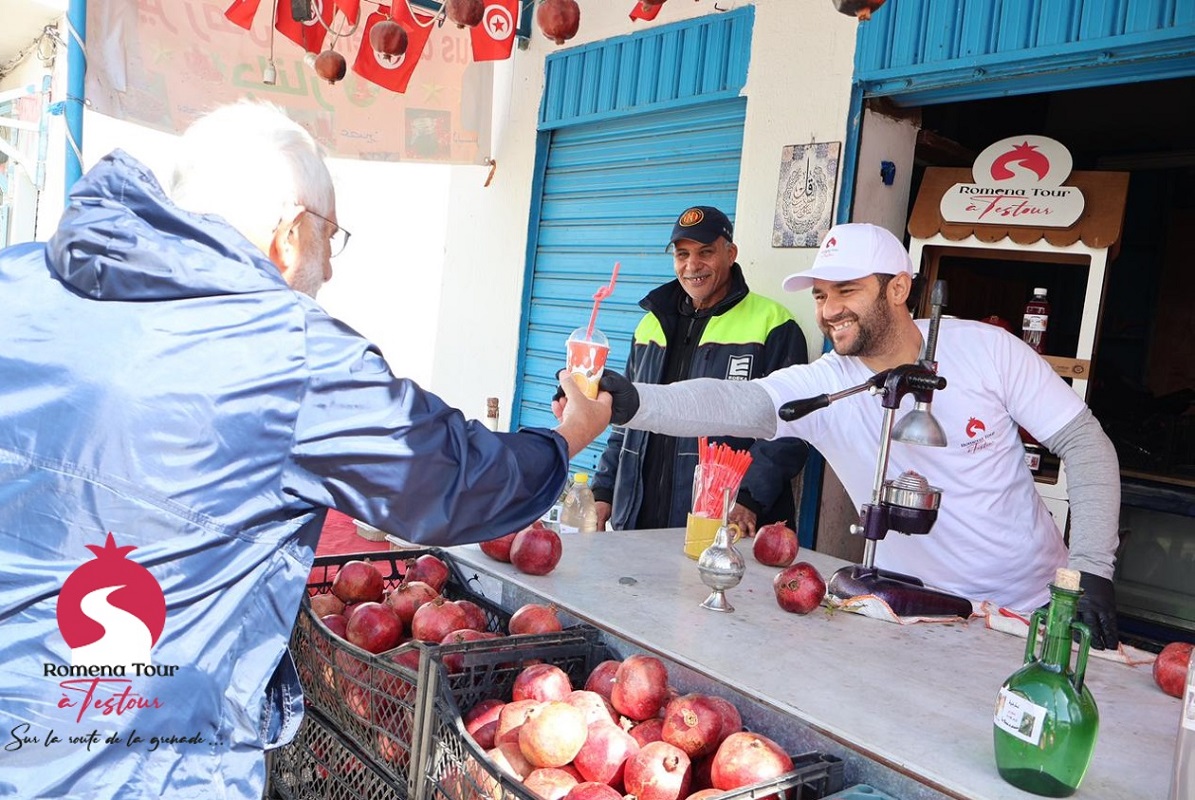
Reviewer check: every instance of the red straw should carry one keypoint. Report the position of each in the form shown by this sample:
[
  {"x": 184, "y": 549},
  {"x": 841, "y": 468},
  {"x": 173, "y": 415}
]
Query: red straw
[
  {"x": 601, "y": 294},
  {"x": 721, "y": 468}
]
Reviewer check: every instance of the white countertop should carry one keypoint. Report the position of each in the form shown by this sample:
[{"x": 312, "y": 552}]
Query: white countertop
[{"x": 917, "y": 698}]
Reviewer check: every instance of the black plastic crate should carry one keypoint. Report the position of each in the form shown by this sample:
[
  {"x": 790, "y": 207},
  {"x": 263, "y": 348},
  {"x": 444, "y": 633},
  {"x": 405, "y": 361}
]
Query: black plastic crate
[
  {"x": 321, "y": 764},
  {"x": 375, "y": 700},
  {"x": 454, "y": 767}
]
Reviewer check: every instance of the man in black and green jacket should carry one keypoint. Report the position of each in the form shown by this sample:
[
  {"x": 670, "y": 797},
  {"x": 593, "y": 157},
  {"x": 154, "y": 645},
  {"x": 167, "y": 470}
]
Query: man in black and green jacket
[{"x": 704, "y": 324}]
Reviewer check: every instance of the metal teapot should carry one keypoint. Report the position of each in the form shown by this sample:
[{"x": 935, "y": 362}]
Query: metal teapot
[{"x": 721, "y": 565}]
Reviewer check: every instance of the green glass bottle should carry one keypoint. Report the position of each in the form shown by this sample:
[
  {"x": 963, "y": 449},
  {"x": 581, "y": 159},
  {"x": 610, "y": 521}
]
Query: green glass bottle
[{"x": 1046, "y": 721}]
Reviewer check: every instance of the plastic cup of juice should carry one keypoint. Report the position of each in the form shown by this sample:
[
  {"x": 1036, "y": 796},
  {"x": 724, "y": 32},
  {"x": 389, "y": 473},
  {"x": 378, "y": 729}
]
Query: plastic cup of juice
[{"x": 587, "y": 358}]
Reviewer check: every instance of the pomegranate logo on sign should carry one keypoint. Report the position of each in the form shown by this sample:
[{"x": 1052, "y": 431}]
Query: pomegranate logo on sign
[
  {"x": 111, "y": 611},
  {"x": 974, "y": 426},
  {"x": 1017, "y": 181}
]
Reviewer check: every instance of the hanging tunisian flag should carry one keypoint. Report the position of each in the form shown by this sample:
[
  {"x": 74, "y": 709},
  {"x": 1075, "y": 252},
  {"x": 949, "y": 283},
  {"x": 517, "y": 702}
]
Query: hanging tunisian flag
[
  {"x": 645, "y": 11},
  {"x": 309, "y": 34},
  {"x": 350, "y": 8},
  {"x": 393, "y": 73},
  {"x": 241, "y": 12},
  {"x": 494, "y": 38}
]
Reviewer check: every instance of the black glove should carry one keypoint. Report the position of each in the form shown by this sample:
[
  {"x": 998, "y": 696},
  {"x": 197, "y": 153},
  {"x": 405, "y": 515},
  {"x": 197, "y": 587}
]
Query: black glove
[
  {"x": 1097, "y": 609},
  {"x": 626, "y": 396}
]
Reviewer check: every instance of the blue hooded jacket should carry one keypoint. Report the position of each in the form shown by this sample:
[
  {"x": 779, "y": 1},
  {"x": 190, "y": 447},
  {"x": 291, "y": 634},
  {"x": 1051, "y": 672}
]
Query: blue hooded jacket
[{"x": 161, "y": 383}]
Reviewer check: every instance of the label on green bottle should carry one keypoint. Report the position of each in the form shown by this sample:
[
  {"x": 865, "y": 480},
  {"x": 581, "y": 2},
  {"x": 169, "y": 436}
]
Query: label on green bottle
[{"x": 1019, "y": 716}]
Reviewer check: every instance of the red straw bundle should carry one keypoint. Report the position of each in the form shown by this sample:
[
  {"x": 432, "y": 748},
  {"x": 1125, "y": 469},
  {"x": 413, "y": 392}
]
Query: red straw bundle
[{"x": 719, "y": 468}]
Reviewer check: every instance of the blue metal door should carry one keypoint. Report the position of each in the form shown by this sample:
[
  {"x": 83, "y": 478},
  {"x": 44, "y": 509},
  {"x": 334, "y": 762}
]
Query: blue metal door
[{"x": 623, "y": 152}]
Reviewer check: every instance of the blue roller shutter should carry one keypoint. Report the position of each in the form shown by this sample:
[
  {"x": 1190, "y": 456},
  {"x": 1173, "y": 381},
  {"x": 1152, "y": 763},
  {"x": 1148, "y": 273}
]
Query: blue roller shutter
[{"x": 623, "y": 152}]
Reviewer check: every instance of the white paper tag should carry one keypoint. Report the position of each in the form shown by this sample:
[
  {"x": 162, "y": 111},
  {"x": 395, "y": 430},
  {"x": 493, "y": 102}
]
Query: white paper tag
[{"x": 1018, "y": 716}]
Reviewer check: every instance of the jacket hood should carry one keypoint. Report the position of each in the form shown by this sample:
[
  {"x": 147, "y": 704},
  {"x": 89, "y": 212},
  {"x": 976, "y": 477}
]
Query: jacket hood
[{"x": 121, "y": 238}]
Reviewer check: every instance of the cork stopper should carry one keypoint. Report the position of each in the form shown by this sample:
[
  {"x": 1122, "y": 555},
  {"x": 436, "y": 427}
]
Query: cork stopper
[{"x": 1067, "y": 579}]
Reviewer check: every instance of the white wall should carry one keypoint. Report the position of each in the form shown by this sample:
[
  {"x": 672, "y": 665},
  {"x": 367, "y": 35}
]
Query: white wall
[
  {"x": 798, "y": 89},
  {"x": 387, "y": 283}
]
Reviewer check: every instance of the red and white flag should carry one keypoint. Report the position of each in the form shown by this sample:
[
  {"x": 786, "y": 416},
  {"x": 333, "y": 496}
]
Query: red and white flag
[
  {"x": 645, "y": 11},
  {"x": 241, "y": 12},
  {"x": 350, "y": 8},
  {"x": 309, "y": 34},
  {"x": 494, "y": 38},
  {"x": 393, "y": 73}
]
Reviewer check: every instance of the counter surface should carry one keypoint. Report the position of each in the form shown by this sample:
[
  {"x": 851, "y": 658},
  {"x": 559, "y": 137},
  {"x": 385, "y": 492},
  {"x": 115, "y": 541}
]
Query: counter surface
[{"x": 916, "y": 698}]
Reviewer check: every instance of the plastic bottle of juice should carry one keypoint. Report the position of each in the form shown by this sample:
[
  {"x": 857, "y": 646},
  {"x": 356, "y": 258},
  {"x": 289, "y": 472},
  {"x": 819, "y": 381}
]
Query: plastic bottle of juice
[
  {"x": 579, "y": 513},
  {"x": 1036, "y": 320}
]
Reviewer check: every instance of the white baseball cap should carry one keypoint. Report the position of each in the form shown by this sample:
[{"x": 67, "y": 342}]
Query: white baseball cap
[{"x": 851, "y": 251}]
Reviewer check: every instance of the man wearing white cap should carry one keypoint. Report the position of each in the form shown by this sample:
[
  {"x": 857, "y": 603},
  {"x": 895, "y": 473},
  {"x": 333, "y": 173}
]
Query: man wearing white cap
[{"x": 994, "y": 539}]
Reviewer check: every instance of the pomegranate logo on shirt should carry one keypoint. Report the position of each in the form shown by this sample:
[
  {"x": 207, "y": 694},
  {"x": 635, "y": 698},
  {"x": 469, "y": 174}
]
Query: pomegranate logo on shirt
[
  {"x": 974, "y": 426},
  {"x": 111, "y": 611}
]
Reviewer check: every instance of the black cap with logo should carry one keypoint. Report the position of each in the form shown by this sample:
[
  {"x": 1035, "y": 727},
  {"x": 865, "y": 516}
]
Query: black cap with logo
[{"x": 702, "y": 224}]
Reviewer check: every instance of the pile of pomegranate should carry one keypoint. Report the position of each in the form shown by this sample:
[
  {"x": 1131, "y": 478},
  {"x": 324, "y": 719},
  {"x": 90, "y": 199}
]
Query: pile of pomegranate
[
  {"x": 535, "y": 550},
  {"x": 360, "y": 609},
  {"x": 625, "y": 732}
]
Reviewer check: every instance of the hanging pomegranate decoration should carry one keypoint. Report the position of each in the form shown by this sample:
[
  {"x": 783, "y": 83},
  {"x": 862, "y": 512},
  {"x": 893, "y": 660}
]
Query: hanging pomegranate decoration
[
  {"x": 330, "y": 66},
  {"x": 388, "y": 39},
  {"x": 861, "y": 9},
  {"x": 559, "y": 19},
  {"x": 465, "y": 13}
]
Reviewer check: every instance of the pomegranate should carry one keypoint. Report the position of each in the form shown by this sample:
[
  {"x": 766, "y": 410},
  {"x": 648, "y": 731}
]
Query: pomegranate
[
  {"x": 775, "y": 545},
  {"x": 481, "y": 722},
  {"x": 659, "y": 771},
  {"x": 511, "y": 718},
  {"x": 701, "y": 775},
  {"x": 601, "y": 680},
  {"x": 331, "y": 66},
  {"x": 510, "y": 759},
  {"x": 392, "y": 750},
  {"x": 1170, "y": 668},
  {"x": 553, "y": 734},
  {"x": 455, "y": 662},
  {"x": 429, "y": 569},
  {"x": 595, "y": 707},
  {"x": 732, "y": 721},
  {"x": 374, "y": 627},
  {"x": 541, "y": 682},
  {"x": 640, "y": 687},
  {"x": 465, "y": 13},
  {"x": 747, "y": 758},
  {"x": 550, "y": 783},
  {"x": 499, "y": 549},
  {"x": 336, "y": 623},
  {"x": 799, "y": 588},
  {"x": 536, "y": 551},
  {"x": 559, "y": 19},
  {"x": 359, "y": 581},
  {"x": 704, "y": 794},
  {"x": 592, "y": 790},
  {"x": 433, "y": 621},
  {"x": 388, "y": 39},
  {"x": 534, "y": 618},
  {"x": 324, "y": 604},
  {"x": 693, "y": 724},
  {"x": 603, "y": 756},
  {"x": 407, "y": 597},
  {"x": 651, "y": 730},
  {"x": 351, "y": 609},
  {"x": 475, "y": 614}
]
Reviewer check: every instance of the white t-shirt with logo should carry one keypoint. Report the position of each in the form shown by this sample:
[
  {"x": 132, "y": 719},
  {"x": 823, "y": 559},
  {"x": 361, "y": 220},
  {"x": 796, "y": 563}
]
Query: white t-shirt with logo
[{"x": 994, "y": 538}]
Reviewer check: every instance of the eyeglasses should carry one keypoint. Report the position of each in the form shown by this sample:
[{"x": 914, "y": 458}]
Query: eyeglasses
[{"x": 339, "y": 237}]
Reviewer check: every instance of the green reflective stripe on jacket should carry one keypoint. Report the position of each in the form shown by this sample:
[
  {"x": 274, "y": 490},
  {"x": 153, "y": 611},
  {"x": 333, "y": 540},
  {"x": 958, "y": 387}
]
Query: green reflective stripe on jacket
[
  {"x": 755, "y": 318},
  {"x": 758, "y": 318}
]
